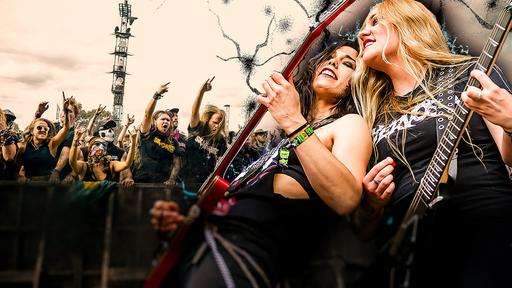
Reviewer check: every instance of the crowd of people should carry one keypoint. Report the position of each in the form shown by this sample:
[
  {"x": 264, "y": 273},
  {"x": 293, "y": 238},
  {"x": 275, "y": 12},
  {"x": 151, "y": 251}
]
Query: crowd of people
[
  {"x": 154, "y": 152},
  {"x": 359, "y": 129}
]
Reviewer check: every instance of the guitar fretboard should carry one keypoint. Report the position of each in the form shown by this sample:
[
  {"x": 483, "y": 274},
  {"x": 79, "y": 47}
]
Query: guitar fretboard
[{"x": 458, "y": 120}]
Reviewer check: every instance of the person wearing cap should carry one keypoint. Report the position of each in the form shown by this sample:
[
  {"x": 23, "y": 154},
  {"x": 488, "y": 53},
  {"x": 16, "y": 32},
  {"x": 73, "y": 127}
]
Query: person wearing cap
[{"x": 155, "y": 160}]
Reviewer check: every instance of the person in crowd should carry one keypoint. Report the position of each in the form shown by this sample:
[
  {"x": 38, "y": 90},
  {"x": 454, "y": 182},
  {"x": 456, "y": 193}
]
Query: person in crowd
[
  {"x": 206, "y": 141},
  {"x": 320, "y": 177},
  {"x": 123, "y": 140},
  {"x": 38, "y": 152},
  {"x": 8, "y": 140},
  {"x": 62, "y": 171},
  {"x": 100, "y": 165},
  {"x": 407, "y": 81},
  {"x": 156, "y": 158},
  {"x": 106, "y": 133},
  {"x": 252, "y": 150}
]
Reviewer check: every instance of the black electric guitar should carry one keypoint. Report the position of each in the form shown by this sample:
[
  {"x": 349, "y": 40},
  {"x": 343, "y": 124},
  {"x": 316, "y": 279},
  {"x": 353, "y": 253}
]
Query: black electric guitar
[{"x": 436, "y": 175}]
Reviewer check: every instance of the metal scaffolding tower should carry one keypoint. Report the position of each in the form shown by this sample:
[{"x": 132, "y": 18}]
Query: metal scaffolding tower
[{"x": 120, "y": 53}]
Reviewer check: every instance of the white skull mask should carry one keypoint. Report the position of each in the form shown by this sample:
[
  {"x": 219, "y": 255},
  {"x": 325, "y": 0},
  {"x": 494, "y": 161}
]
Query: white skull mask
[{"x": 107, "y": 135}]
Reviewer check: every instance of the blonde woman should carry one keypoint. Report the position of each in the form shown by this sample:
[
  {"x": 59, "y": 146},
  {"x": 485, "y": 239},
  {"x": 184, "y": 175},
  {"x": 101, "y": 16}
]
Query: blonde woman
[
  {"x": 8, "y": 146},
  {"x": 403, "y": 73},
  {"x": 38, "y": 152},
  {"x": 206, "y": 141}
]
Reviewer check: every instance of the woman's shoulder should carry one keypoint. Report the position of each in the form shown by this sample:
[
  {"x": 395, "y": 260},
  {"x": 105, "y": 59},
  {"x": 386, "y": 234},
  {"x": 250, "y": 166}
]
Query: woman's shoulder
[{"x": 352, "y": 119}]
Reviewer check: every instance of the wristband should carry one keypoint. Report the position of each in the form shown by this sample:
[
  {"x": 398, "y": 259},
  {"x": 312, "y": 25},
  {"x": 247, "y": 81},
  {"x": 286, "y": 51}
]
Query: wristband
[
  {"x": 297, "y": 130},
  {"x": 157, "y": 96},
  {"x": 302, "y": 136}
]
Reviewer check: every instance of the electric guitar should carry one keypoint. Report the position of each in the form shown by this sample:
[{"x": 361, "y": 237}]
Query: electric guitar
[
  {"x": 436, "y": 175},
  {"x": 215, "y": 186}
]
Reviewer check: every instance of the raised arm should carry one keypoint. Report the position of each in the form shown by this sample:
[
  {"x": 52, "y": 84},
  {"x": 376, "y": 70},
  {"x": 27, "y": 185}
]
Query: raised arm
[
  {"x": 148, "y": 113},
  {"x": 61, "y": 135},
  {"x": 8, "y": 144},
  {"x": 194, "y": 116},
  {"x": 119, "y": 166},
  {"x": 93, "y": 119},
  {"x": 129, "y": 121},
  {"x": 76, "y": 165}
]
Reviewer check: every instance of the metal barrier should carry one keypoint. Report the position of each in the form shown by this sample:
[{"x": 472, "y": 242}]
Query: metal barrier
[{"x": 48, "y": 238}]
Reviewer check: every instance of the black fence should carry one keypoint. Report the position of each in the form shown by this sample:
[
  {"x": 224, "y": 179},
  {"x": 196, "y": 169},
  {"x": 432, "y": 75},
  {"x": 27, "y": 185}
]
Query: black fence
[{"x": 53, "y": 236}]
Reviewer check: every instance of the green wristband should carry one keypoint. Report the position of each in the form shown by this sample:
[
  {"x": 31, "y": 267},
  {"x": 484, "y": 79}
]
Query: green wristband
[{"x": 302, "y": 136}]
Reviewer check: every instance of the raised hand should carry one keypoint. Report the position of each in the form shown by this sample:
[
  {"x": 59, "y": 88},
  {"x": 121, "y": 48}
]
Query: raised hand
[
  {"x": 207, "y": 86},
  {"x": 161, "y": 91},
  {"x": 282, "y": 100},
  {"x": 99, "y": 110},
  {"x": 41, "y": 108},
  {"x": 129, "y": 120}
]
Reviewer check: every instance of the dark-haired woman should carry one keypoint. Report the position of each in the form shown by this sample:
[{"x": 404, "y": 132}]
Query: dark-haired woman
[{"x": 293, "y": 192}]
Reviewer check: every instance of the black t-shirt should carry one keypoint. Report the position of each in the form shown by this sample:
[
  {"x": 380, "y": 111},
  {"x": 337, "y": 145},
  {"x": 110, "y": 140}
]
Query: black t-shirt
[
  {"x": 115, "y": 152},
  {"x": 38, "y": 161},
  {"x": 154, "y": 159},
  {"x": 201, "y": 155},
  {"x": 482, "y": 187}
]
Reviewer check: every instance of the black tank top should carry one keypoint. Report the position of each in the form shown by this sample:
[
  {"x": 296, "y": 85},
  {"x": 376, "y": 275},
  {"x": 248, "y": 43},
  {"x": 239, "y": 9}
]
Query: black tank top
[
  {"x": 258, "y": 203},
  {"x": 38, "y": 161}
]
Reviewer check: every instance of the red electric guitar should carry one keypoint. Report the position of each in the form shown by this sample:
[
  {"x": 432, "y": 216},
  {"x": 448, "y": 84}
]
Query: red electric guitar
[{"x": 215, "y": 187}]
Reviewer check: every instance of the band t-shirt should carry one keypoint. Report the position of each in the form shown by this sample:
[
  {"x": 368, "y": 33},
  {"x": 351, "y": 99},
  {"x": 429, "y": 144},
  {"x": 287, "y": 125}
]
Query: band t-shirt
[
  {"x": 154, "y": 160},
  {"x": 482, "y": 184},
  {"x": 201, "y": 155}
]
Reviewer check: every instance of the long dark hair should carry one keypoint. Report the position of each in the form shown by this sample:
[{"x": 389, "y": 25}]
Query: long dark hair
[{"x": 307, "y": 95}]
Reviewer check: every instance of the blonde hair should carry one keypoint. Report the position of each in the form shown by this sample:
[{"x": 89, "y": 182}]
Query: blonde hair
[
  {"x": 28, "y": 132},
  {"x": 208, "y": 112},
  {"x": 421, "y": 47},
  {"x": 3, "y": 120}
]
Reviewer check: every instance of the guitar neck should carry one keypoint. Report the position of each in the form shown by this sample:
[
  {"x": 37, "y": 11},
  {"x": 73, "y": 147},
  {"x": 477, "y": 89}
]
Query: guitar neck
[
  {"x": 459, "y": 120},
  {"x": 234, "y": 148}
]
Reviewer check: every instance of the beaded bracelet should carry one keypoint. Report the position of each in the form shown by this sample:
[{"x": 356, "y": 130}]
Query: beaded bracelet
[{"x": 302, "y": 136}]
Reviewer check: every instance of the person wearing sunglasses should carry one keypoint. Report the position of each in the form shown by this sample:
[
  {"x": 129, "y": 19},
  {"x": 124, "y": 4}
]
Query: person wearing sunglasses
[{"x": 38, "y": 153}]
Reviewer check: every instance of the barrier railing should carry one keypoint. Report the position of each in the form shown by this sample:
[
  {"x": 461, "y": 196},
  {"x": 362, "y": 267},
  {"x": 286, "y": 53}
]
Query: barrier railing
[{"x": 70, "y": 237}]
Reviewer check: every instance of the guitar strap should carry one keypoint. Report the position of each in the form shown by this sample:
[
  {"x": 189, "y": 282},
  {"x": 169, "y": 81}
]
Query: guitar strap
[{"x": 447, "y": 98}]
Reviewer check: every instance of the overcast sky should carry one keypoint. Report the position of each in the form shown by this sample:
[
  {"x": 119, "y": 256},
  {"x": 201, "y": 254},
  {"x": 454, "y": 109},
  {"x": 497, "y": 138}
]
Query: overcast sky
[{"x": 55, "y": 45}]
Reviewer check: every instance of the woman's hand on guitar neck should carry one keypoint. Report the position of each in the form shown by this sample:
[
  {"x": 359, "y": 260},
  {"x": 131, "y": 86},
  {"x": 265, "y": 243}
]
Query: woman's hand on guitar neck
[
  {"x": 282, "y": 100},
  {"x": 378, "y": 183},
  {"x": 165, "y": 216}
]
